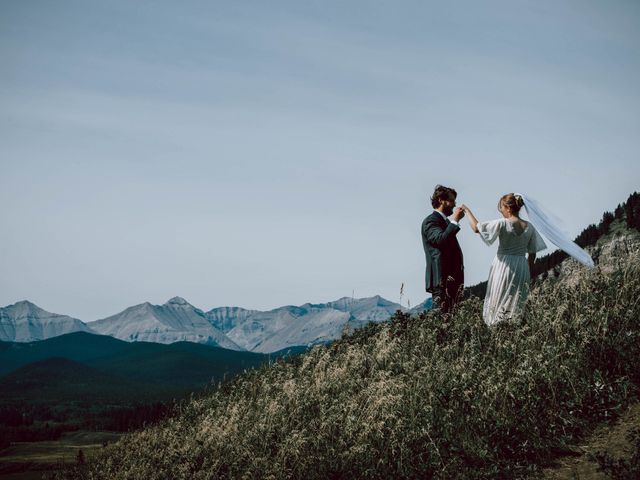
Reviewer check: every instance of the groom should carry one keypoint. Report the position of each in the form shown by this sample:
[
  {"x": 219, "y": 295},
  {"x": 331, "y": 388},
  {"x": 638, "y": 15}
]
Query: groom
[{"x": 445, "y": 272}]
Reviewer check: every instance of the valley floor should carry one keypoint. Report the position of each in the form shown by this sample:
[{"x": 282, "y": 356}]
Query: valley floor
[{"x": 28, "y": 460}]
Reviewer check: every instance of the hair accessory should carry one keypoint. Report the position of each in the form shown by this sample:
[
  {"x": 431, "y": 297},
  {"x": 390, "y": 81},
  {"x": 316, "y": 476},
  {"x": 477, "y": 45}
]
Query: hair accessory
[{"x": 519, "y": 200}]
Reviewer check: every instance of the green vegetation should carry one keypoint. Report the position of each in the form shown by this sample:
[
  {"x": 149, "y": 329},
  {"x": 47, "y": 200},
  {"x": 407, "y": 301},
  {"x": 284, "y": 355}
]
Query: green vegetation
[
  {"x": 418, "y": 397},
  {"x": 86, "y": 381},
  {"x": 182, "y": 364}
]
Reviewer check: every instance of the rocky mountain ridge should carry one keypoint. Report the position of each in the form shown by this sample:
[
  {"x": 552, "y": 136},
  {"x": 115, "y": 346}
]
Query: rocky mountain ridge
[
  {"x": 232, "y": 328},
  {"x": 26, "y": 322}
]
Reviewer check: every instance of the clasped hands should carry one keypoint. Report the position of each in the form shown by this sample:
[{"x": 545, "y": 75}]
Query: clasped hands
[{"x": 459, "y": 212}]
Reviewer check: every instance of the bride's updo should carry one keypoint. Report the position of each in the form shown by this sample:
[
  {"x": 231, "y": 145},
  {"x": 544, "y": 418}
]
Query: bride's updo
[{"x": 512, "y": 201}]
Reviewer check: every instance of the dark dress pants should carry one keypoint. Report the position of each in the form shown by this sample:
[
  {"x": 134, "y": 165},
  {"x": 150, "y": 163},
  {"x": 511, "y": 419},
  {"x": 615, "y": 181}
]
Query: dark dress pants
[{"x": 447, "y": 294}]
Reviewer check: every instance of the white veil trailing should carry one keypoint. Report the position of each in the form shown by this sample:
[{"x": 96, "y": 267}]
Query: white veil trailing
[{"x": 549, "y": 226}]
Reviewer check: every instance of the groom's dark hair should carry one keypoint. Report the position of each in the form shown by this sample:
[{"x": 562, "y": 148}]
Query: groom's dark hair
[{"x": 441, "y": 193}]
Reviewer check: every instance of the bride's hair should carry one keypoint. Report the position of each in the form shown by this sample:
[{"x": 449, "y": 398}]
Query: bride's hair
[{"x": 512, "y": 201}]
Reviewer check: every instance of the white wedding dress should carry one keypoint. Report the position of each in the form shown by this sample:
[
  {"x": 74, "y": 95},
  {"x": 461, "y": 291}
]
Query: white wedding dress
[{"x": 509, "y": 277}]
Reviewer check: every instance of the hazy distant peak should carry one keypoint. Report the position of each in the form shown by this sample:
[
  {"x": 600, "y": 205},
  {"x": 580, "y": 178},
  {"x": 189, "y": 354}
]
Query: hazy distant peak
[
  {"x": 231, "y": 310},
  {"x": 178, "y": 301},
  {"x": 26, "y": 322},
  {"x": 140, "y": 306},
  {"x": 343, "y": 299},
  {"x": 25, "y": 306},
  {"x": 382, "y": 301},
  {"x": 26, "y": 302}
]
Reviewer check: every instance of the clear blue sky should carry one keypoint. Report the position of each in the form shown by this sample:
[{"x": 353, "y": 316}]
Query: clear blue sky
[{"x": 260, "y": 154}]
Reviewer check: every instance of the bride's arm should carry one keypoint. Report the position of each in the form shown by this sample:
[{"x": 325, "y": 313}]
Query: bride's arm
[{"x": 473, "y": 221}]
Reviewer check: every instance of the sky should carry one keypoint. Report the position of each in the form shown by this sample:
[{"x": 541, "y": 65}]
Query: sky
[{"x": 261, "y": 154}]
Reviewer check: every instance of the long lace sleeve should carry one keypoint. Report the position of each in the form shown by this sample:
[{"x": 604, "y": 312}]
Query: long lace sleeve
[{"x": 489, "y": 231}]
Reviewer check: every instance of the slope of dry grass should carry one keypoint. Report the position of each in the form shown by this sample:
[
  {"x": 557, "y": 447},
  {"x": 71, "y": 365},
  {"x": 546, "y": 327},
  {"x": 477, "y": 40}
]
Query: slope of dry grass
[{"x": 417, "y": 397}]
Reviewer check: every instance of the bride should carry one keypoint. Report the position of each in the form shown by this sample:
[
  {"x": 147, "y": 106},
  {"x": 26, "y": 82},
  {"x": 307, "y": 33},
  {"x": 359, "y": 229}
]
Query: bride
[{"x": 510, "y": 273}]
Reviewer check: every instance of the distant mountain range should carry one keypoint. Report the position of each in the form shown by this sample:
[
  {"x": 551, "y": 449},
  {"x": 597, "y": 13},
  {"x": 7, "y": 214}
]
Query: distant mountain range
[
  {"x": 231, "y": 328},
  {"x": 175, "y": 321},
  {"x": 149, "y": 353}
]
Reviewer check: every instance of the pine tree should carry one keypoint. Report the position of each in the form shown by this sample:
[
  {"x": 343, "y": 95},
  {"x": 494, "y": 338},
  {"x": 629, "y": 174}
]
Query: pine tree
[
  {"x": 632, "y": 211},
  {"x": 619, "y": 212},
  {"x": 605, "y": 224}
]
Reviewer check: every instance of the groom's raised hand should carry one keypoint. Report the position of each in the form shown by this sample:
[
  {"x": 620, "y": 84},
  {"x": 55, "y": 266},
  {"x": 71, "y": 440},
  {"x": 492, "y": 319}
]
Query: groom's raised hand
[{"x": 458, "y": 213}]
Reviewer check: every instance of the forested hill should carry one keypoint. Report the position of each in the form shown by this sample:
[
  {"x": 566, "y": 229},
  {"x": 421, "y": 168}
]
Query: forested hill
[{"x": 626, "y": 216}]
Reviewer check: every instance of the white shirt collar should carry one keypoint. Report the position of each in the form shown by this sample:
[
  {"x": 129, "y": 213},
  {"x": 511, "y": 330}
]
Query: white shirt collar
[
  {"x": 446, "y": 219},
  {"x": 441, "y": 214}
]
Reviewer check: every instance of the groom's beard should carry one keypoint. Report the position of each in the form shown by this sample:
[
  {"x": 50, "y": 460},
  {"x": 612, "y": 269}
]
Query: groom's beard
[{"x": 448, "y": 211}]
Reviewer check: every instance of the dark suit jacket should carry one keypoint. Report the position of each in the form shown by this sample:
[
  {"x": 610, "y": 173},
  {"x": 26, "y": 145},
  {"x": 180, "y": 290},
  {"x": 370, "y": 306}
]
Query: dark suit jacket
[{"x": 442, "y": 251}]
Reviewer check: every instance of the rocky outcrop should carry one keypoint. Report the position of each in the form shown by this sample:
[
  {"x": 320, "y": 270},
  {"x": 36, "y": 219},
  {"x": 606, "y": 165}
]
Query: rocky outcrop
[{"x": 610, "y": 254}]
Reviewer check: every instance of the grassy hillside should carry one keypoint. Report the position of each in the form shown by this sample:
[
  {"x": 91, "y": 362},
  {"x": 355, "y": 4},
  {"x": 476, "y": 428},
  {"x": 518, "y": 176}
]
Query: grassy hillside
[{"x": 418, "y": 397}]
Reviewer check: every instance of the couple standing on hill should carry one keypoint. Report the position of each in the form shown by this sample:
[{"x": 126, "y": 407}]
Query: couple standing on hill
[{"x": 510, "y": 273}]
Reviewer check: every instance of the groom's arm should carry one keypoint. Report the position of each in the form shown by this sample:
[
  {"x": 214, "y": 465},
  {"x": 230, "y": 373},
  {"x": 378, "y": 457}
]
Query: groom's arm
[{"x": 436, "y": 235}]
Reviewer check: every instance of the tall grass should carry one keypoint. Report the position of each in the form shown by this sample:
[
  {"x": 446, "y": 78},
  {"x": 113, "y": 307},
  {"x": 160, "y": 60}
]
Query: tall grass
[{"x": 417, "y": 397}]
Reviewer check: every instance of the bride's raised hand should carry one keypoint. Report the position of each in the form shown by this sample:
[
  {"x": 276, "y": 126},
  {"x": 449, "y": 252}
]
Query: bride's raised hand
[{"x": 473, "y": 221}]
